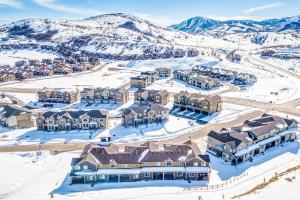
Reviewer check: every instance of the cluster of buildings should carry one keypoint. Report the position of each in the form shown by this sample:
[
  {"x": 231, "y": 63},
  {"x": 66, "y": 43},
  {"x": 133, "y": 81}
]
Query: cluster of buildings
[
  {"x": 226, "y": 75},
  {"x": 34, "y": 68},
  {"x": 149, "y": 161},
  {"x": 242, "y": 143},
  {"x": 26, "y": 69}
]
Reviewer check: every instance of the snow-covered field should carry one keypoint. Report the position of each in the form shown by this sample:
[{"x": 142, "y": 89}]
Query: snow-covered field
[
  {"x": 37, "y": 175},
  {"x": 9, "y": 57},
  {"x": 275, "y": 90},
  {"x": 292, "y": 65}
]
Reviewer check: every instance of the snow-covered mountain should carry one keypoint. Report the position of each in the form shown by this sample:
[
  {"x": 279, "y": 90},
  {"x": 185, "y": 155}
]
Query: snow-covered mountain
[
  {"x": 200, "y": 25},
  {"x": 124, "y": 36},
  {"x": 112, "y": 34},
  {"x": 270, "y": 32}
]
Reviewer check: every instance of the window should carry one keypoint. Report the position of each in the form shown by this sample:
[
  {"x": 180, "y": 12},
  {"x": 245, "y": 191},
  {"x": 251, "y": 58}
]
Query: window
[
  {"x": 125, "y": 166},
  {"x": 192, "y": 174},
  {"x": 169, "y": 163},
  {"x": 136, "y": 176},
  {"x": 91, "y": 178},
  {"x": 102, "y": 176},
  {"x": 157, "y": 164},
  {"x": 179, "y": 173},
  {"x": 147, "y": 174},
  {"x": 195, "y": 164},
  {"x": 85, "y": 167},
  {"x": 77, "y": 167},
  {"x": 113, "y": 165}
]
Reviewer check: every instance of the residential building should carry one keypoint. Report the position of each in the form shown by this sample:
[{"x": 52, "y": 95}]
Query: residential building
[
  {"x": 68, "y": 120},
  {"x": 14, "y": 117},
  {"x": 226, "y": 75},
  {"x": 242, "y": 143},
  {"x": 198, "y": 103},
  {"x": 145, "y": 97},
  {"x": 104, "y": 95},
  {"x": 7, "y": 76},
  {"x": 144, "y": 114},
  {"x": 58, "y": 95},
  {"x": 163, "y": 72},
  {"x": 149, "y": 161},
  {"x": 143, "y": 80},
  {"x": 196, "y": 80}
]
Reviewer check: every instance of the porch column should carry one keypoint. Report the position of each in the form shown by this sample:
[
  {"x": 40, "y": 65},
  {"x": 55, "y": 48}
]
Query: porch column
[
  {"x": 163, "y": 176},
  {"x": 118, "y": 178}
]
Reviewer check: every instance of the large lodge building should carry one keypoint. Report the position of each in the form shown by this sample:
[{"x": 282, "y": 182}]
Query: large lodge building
[{"x": 150, "y": 161}]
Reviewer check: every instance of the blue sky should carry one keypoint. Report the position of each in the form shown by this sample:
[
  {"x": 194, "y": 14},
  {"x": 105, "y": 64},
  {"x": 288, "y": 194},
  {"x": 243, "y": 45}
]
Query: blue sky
[{"x": 164, "y": 12}]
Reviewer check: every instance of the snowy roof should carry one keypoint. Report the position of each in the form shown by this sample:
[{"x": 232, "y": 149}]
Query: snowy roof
[
  {"x": 268, "y": 140},
  {"x": 246, "y": 150},
  {"x": 148, "y": 152}
]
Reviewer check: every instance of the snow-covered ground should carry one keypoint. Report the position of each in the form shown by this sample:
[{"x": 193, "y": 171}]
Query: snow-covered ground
[
  {"x": 275, "y": 90},
  {"x": 24, "y": 97},
  {"x": 9, "y": 57},
  {"x": 292, "y": 65},
  {"x": 37, "y": 175}
]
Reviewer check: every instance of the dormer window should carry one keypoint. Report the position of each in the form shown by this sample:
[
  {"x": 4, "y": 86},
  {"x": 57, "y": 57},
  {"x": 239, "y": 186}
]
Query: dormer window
[
  {"x": 169, "y": 163},
  {"x": 195, "y": 164},
  {"x": 113, "y": 166}
]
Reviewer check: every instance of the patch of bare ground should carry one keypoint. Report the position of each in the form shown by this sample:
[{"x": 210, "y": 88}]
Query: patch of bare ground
[{"x": 271, "y": 180}]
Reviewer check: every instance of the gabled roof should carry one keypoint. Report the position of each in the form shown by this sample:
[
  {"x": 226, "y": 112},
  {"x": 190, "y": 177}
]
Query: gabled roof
[
  {"x": 10, "y": 110},
  {"x": 147, "y": 152},
  {"x": 76, "y": 114}
]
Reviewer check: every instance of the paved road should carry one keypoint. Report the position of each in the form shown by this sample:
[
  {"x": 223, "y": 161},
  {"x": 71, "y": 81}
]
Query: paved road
[
  {"x": 179, "y": 139},
  {"x": 288, "y": 108},
  {"x": 271, "y": 65}
]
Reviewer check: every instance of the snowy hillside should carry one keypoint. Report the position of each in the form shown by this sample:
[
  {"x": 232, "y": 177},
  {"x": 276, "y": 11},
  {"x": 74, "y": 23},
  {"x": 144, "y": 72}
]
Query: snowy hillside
[
  {"x": 268, "y": 32},
  {"x": 206, "y": 25},
  {"x": 117, "y": 34}
]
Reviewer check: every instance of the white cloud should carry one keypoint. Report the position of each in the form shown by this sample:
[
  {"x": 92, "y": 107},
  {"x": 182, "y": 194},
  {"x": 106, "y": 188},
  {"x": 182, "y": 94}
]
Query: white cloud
[
  {"x": 263, "y": 7},
  {"x": 53, "y": 4},
  {"x": 11, "y": 3}
]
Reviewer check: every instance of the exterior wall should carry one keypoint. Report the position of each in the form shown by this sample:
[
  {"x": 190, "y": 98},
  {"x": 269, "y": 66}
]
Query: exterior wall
[
  {"x": 139, "y": 83},
  {"x": 63, "y": 123},
  {"x": 96, "y": 96},
  {"x": 139, "y": 177},
  {"x": 57, "y": 96},
  {"x": 25, "y": 121}
]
